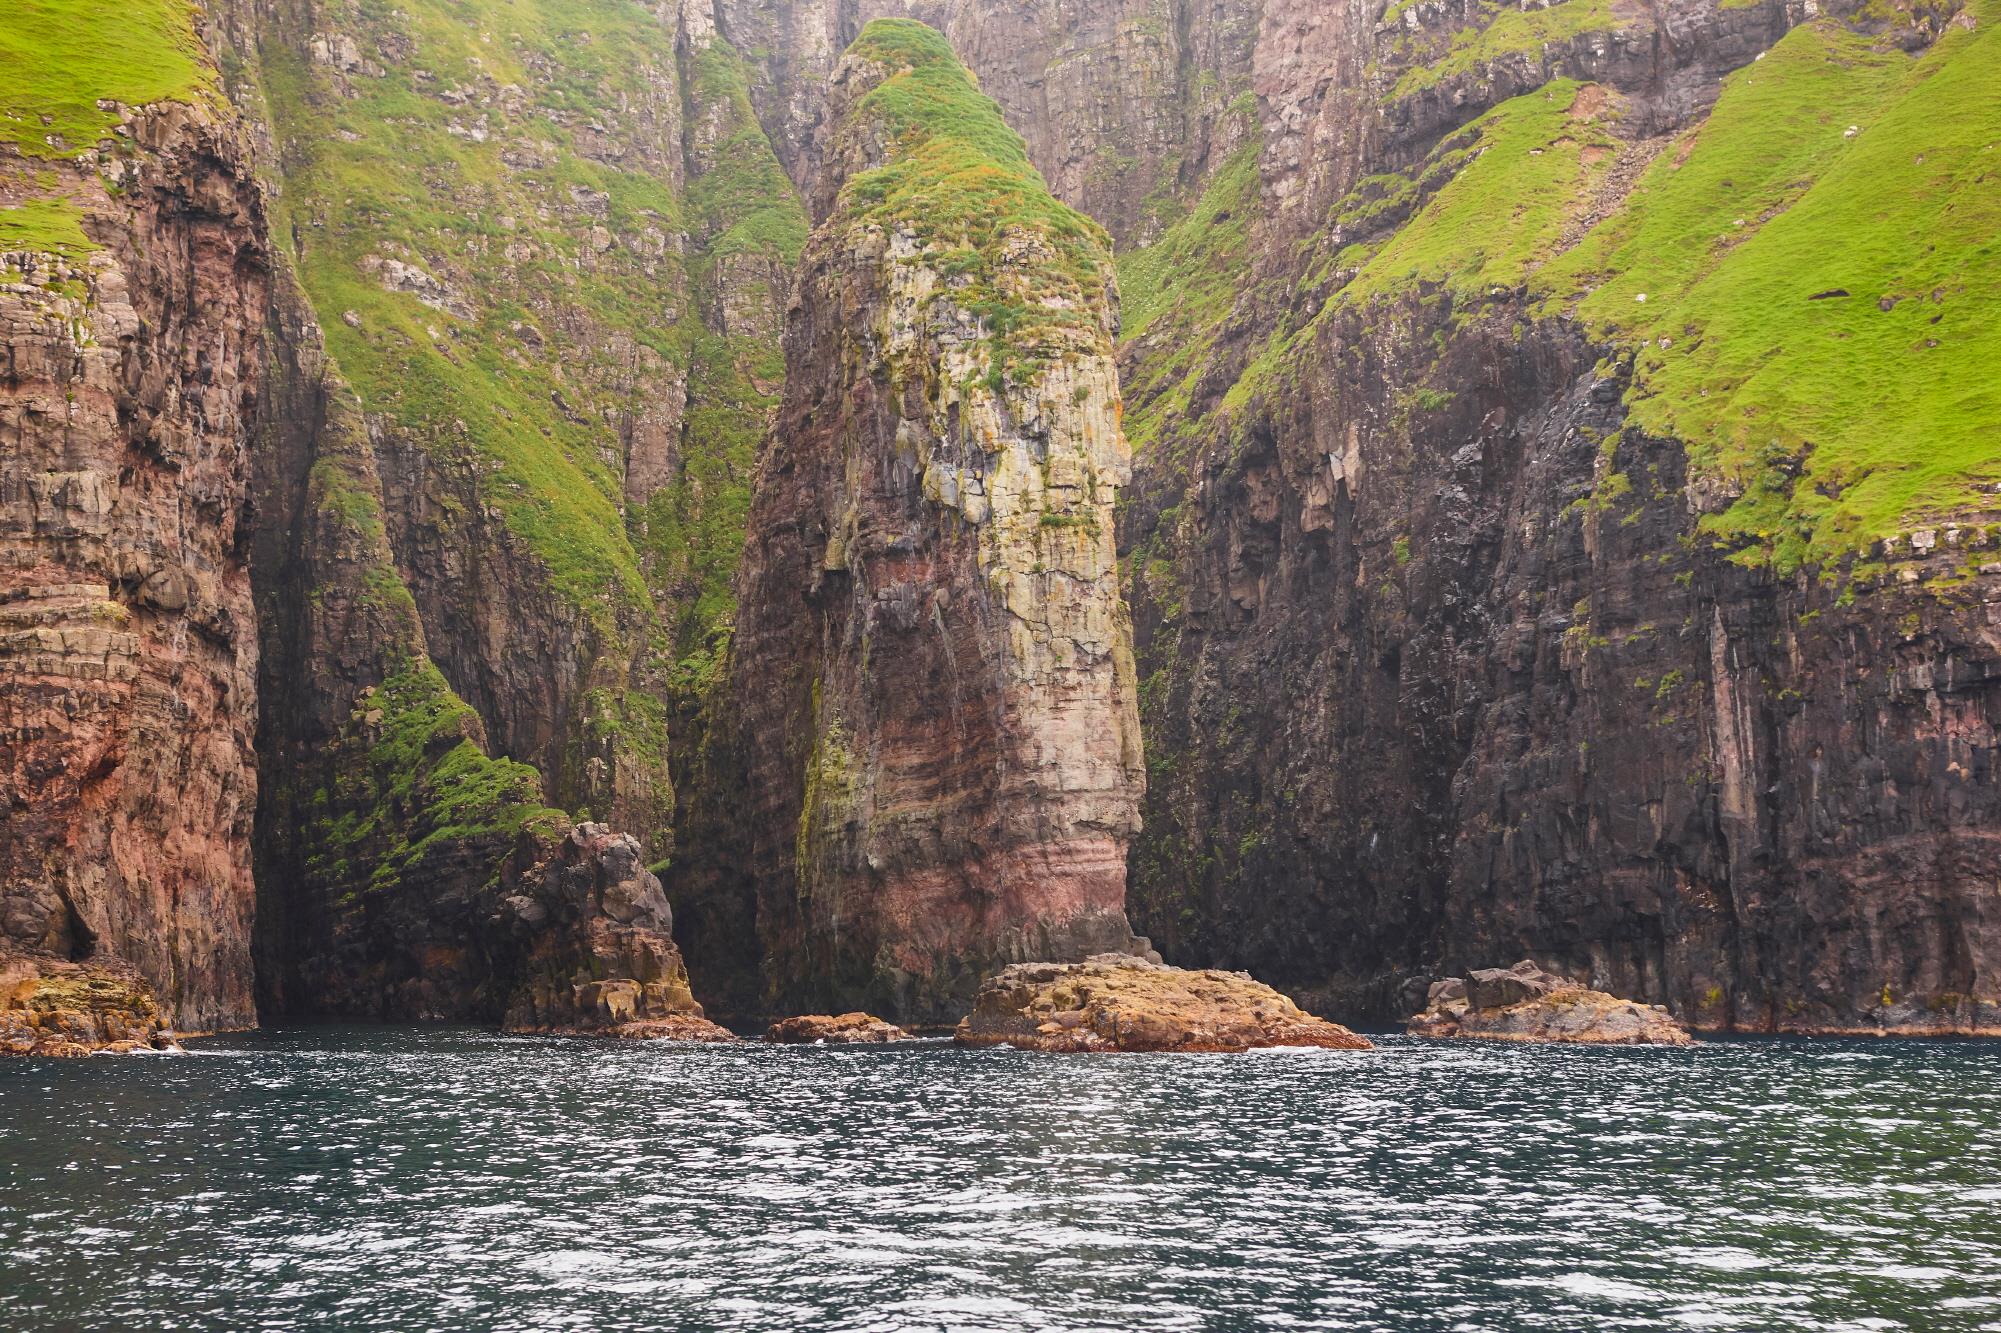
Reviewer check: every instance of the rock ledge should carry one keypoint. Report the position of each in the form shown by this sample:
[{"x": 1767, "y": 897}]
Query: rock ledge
[
  {"x": 1525, "y": 1003},
  {"x": 1112, "y": 1002}
]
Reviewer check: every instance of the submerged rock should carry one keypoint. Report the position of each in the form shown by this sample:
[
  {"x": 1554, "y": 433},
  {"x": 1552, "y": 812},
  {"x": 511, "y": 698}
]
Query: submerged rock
[
  {"x": 1113, "y": 1002},
  {"x": 848, "y": 1029},
  {"x": 1525, "y": 1003}
]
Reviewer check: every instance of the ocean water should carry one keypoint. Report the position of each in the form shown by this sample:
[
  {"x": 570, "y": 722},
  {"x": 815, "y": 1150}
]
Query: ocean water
[{"x": 455, "y": 1179}]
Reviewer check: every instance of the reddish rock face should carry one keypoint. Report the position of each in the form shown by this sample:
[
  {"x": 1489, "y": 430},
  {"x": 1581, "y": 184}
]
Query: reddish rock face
[
  {"x": 934, "y": 701},
  {"x": 127, "y": 641}
]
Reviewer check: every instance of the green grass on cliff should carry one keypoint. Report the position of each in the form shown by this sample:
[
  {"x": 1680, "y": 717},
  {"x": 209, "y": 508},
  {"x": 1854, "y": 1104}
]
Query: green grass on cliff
[
  {"x": 59, "y": 58},
  {"x": 417, "y": 157},
  {"x": 1196, "y": 268},
  {"x": 415, "y": 782},
  {"x": 1500, "y": 194},
  {"x": 1503, "y": 30},
  {"x": 960, "y": 180},
  {"x": 405, "y": 167},
  {"x": 1837, "y": 164},
  {"x": 50, "y": 226}
]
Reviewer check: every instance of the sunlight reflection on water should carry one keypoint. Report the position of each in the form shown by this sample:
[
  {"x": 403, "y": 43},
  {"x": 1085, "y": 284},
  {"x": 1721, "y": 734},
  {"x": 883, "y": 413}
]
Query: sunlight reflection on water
[{"x": 447, "y": 1179}]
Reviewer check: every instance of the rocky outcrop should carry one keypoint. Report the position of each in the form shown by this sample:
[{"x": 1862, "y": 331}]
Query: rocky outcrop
[
  {"x": 933, "y": 701},
  {"x": 1525, "y": 1003},
  {"x": 1117, "y": 1003},
  {"x": 49, "y": 1007},
  {"x": 851, "y": 1029},
  {"x": 596, "y": 946},
  {"x": 131, "y": 295}
]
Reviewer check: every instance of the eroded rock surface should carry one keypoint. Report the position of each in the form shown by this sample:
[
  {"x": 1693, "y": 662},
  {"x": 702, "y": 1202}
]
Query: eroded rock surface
[
  {"x": 597, "y": 946},
  {"x": 1118, "y": 1003},
  {"x": 1525, "y": 1003},
  {"x": 51, "y": 1007},
  {"x": 855, "y": 1028},
  {"x": 131, "y": 332},
  {"x": 934, "y": 703}
]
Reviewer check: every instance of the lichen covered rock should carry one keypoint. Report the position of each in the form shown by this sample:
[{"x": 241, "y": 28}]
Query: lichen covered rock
[
  {"x": 1525, "y": 1003},
  {"x": 1119, "y": 1003},
  {"x": 855, "y": 1028},
  {"x": 934, "y": 701},
  {"x": 51, "y": 1007}
]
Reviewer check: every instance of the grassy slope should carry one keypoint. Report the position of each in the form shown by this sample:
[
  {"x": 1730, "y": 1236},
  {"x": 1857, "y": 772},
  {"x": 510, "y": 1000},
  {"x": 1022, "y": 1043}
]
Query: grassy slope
[
  {"x": 407, "y": 779},
  {"x": 58, "y": 59},
  {"x": 1187, "y": 282},
  {"x": 383, "y": 173},
  {"x": 1843, "y": 421},
  {"x": 742, "y": 212}
]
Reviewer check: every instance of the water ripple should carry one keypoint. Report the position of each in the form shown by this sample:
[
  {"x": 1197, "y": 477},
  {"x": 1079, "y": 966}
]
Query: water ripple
[{"x": 453, "y": 1179}]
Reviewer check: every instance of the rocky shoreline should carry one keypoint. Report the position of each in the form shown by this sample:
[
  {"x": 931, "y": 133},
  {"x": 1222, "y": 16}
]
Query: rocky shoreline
[{"x": 1524, "y": 1003}]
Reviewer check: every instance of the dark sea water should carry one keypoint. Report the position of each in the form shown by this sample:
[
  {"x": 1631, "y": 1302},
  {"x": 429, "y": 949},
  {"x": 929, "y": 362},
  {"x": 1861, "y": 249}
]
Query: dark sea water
[{"x": 454, "y": 1179}]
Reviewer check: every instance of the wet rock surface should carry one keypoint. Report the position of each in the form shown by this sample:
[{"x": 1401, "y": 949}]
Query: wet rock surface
[
  {"x": 1118, "y": 1003},
  {"x": 1525, "y": 1003},
  {"x": 840, "y": 1029}
]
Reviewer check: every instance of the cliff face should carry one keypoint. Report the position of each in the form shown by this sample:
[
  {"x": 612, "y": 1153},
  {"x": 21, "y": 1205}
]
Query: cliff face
[
  {"x": 932, "y": 686},
  {"x": 480, "y": 540},
  {"x": 132, "y": 276},
  {"x": 1608, "y": 585},
  {"x": 1558, "y": 523}
]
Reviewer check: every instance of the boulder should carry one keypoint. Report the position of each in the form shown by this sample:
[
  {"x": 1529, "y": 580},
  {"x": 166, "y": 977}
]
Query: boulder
[
  {"x": 1497, "y": 988},
  {"x": 844, "y": 1029},
  {"x": 1526, "y": 1003},
  {"x": 1114, "y": 1002}
]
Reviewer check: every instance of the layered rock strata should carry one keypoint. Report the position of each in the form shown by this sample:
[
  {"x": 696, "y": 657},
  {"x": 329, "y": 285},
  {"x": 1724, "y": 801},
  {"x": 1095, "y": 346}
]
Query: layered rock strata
[
  {"x": 1525, "y": 1003},
  {"x": 1119, "y": 1003},
  {"x": 1506, "y": 589},
  {"x": 132, "y": 276},
  {"x": 934, "y": 709},
  {"x": 54, "y": 1008}
]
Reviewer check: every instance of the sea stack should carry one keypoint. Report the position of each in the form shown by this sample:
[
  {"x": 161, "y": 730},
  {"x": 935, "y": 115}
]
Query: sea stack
[{"x": 932, "y": 668}]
